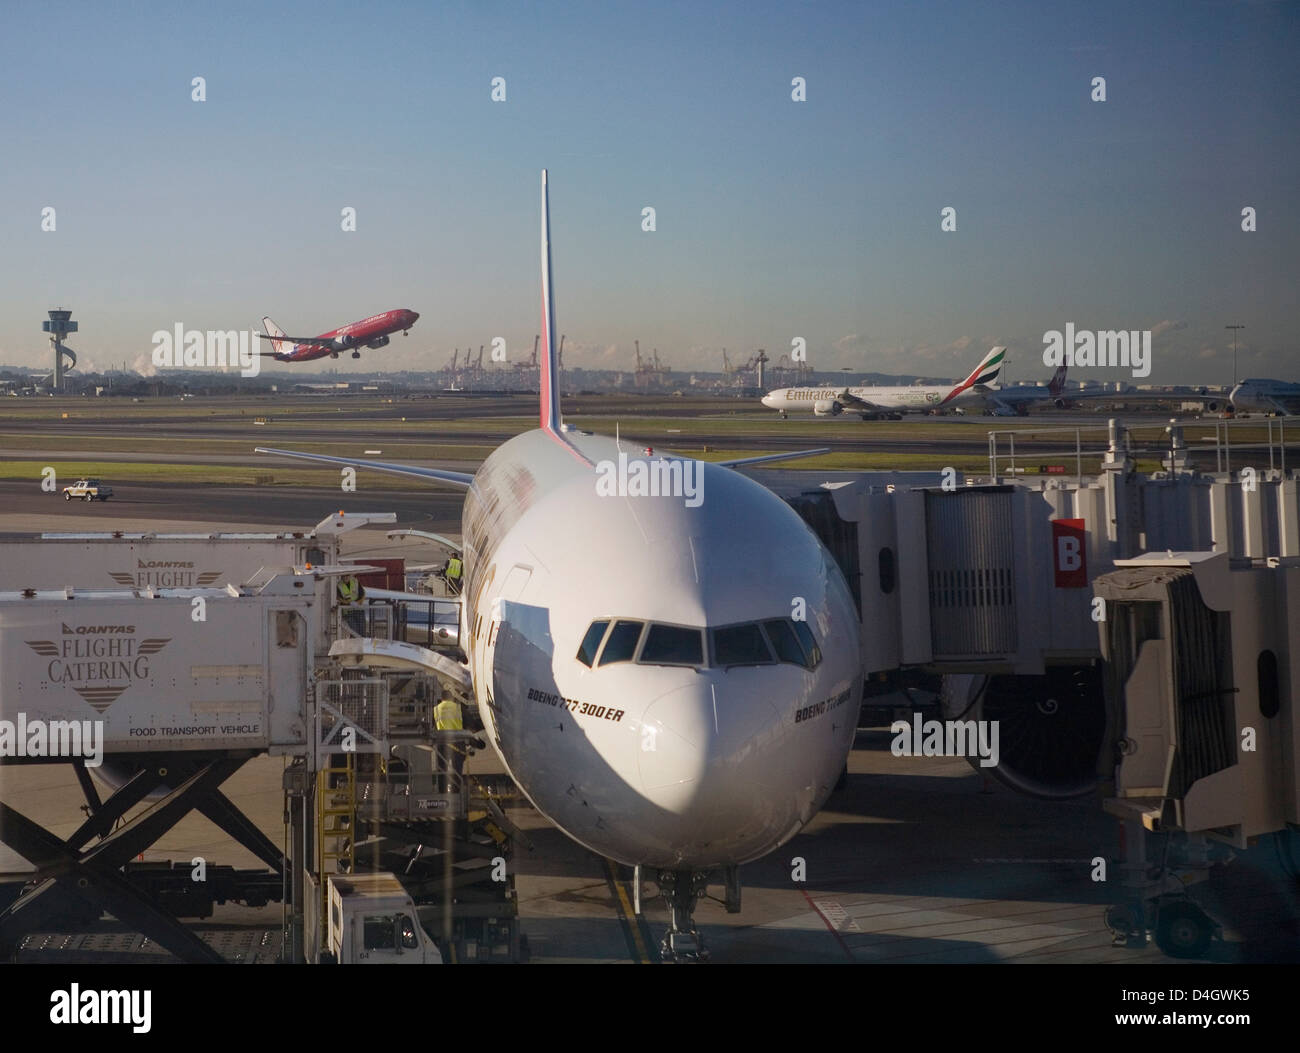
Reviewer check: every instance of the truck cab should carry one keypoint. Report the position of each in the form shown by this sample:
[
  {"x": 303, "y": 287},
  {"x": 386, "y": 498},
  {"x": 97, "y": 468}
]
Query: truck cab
[{"x": 373, "y": 920}]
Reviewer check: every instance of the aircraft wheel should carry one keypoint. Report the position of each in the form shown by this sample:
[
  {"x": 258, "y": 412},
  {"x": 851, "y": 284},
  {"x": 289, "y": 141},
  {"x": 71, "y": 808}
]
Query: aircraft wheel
[
  {"x": 356, "y": 354},
  {"x": 1183, "y": 930}
]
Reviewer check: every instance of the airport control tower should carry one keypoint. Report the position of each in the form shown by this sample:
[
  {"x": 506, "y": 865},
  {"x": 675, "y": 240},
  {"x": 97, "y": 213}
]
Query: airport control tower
[{"x": 59, "y": 326}]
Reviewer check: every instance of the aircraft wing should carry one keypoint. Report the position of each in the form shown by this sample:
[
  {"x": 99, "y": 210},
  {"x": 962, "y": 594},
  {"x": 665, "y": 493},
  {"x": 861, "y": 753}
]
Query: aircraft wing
[
  {"x": 314, "y": 341},
  {"x": 848, "y": 400},
  {"x": 1285, "y": 405},
  {"x": 461, "y": 479},
  {"x": 736, "y": 462}
]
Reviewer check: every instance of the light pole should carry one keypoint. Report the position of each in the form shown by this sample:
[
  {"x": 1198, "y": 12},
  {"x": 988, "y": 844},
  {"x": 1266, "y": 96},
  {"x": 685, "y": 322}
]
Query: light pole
[{"x": 1234, "y": 329}]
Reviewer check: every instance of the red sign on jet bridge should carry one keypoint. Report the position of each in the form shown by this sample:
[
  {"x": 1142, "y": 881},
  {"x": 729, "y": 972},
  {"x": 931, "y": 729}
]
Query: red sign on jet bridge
[{"x": 1068, "y": 559}]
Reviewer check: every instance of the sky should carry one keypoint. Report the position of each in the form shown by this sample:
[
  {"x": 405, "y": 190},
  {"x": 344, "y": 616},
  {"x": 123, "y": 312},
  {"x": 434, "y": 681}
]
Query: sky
[{"x": 775, "y": 220}]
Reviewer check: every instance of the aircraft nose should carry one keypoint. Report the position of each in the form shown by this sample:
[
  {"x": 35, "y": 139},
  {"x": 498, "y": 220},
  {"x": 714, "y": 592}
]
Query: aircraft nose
[
  {"x": 702, "y": 754},
  {"x": 414, "y": 316},
  {"x": 767, "y": 400}
]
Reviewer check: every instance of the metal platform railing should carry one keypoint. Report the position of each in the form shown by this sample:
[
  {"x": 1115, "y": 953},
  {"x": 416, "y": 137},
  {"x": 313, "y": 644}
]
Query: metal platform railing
[{"x": 1164, "y": 439}]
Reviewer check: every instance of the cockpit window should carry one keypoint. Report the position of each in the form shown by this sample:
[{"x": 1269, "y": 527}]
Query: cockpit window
[
  {"x": 591, "y": 642},
  {"x": 750, "y": 643},
  {"x": 621, "y": 645},
  {"x": 740, "y": 645},
  {"x": 672, "y": 645},
  {"x": 810, "y": 647},
  {"x": 784, "y": 642}
]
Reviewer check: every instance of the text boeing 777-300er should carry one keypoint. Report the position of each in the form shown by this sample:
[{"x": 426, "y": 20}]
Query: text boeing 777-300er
[
  {"x": 673, "y": 682},
  {"x": 372, "y": 332},
  {"x": 892, "y": 400}
]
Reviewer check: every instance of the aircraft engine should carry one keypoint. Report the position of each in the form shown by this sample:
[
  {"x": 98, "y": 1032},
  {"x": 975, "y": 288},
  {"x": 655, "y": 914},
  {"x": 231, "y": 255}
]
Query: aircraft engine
[
  {"x": 827, "y": 408},
  {"x": 1050, "y": 727},
  {"x": 379, "y": 341},
  {"x": 1059, "y": 403}
]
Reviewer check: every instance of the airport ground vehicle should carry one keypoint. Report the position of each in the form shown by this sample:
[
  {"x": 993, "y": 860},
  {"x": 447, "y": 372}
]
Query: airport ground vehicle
[
  {"x": 87, "y": 490},
  {"x": 372, "y": 920}
]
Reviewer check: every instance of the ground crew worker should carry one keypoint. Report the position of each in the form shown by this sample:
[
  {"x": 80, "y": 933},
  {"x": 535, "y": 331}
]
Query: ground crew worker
[
  {"x": 447, "y": 716},
  {"x": 454, "y": 570},
  {"x": 349, "y": 590}
]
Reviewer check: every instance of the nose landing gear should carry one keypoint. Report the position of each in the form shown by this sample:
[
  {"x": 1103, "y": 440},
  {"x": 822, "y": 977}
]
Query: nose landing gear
[{"x": 681, "y": 890}]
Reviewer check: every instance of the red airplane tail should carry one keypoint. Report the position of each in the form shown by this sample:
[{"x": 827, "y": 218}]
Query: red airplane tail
[
  {"x": 278, "y": 347},
  {"x": 1057, "y": 383}
]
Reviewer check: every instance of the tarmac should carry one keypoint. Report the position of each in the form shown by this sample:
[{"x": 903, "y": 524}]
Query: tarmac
[{"x": 916, "y": 860}]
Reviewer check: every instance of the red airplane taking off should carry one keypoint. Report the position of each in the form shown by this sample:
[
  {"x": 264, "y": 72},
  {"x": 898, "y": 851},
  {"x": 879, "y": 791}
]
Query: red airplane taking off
[{"x": 369, "y": 332}]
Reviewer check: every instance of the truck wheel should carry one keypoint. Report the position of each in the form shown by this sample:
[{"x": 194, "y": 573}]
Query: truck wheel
[
  {"x": 90, "y": 497},
  {"x": 67, "y": 496},
  {"x": 1183, "y": 930}
]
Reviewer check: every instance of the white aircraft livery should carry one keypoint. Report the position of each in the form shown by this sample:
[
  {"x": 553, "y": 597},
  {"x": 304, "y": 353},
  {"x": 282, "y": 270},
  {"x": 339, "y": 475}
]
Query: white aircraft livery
[
  {"x": 890, "y": 401},
  {"x": 1265, "y": 396},
  {"x": 663, "y": 653}
]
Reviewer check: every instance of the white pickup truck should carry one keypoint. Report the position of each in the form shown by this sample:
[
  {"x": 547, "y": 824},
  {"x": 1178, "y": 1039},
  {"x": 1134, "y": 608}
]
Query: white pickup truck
[{"x": 87, "y": 490}]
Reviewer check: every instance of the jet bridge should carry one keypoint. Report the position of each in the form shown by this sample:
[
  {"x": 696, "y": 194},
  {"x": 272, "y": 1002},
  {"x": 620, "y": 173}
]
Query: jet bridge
[
  {"x": 1201, "y": 751},
  {"x": 981, "y": 589}
]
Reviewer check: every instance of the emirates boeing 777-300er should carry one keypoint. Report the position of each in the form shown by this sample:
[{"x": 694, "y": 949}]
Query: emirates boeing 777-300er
[
  {"x": 372, "y": 332},
  {"x": 663, "y": 654},
  {"x": 874, "y": 403}
]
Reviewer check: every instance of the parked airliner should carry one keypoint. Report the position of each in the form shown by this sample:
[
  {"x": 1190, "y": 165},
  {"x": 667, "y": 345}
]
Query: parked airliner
[
  {"x": 892, "y": 400},
  {"x": 670, "y": 671},
  {"x": 1014, "y": 401},
  {"x": 372, "y": 332},
  {"x": 1265, "y": 396}
]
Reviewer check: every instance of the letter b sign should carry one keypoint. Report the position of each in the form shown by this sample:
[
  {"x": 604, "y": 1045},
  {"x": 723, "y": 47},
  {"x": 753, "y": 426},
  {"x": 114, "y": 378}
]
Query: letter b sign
[{"x": 1068, "y": 556}]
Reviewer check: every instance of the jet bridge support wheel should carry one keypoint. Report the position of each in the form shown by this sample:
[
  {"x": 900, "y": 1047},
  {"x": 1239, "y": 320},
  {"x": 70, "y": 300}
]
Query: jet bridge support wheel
[{"x": 1183, "y": 929}]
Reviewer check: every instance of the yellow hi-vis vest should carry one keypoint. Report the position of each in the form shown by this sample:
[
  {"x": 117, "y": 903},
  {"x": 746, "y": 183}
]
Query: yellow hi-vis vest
[
  {"x": 447, "y": 716},
  {"x": 454, "y": 568},
  {"x": 349, "y": 590}
]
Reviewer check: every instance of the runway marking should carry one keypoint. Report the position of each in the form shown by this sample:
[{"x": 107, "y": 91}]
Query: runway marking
[
  {"x": 631, "y": 923},
  {"x": 830, "y": 927}
]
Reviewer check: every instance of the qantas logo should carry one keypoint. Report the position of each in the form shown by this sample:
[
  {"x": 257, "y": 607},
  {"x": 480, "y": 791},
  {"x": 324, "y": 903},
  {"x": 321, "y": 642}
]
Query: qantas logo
[
  {"x": 164, "y": 574},
  {"x": 98, "y": 662}
]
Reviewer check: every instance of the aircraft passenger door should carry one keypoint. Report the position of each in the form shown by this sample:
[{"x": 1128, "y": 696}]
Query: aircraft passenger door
[
  {"x": 511, "y": 589},
  {"x": 514, "y": 584}
]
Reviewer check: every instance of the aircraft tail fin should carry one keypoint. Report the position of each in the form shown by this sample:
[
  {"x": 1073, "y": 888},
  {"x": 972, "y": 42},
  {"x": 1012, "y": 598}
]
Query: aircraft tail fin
[
  {"x": 988, "y": 369},
  {"x": 548, "y": 357},
  {"x": 279, "y": 347},
  {"x": 1057, "y": 383}
]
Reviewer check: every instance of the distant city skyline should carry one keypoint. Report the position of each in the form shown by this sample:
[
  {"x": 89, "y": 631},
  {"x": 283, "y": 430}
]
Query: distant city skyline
[{"x": 775, "y": 219}]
